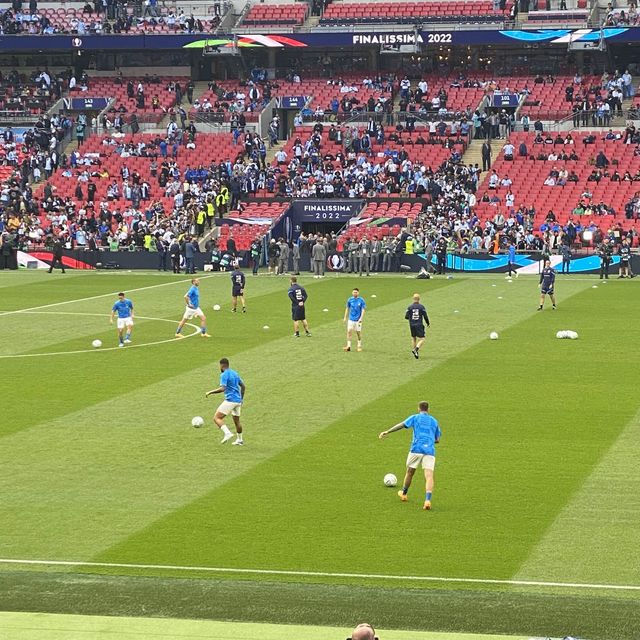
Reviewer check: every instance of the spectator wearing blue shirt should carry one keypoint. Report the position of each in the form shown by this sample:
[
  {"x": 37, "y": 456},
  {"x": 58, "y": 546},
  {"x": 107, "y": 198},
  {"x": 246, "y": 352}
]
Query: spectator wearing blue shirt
[
  {"x": 426, "y": 434},
  {"x": 123, "y": 308},
  {"x": 233, "y": 387},
  {"x": 353, "y": 316}
]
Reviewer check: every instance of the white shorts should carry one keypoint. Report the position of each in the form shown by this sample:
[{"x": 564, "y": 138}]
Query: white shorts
[
  {"x": 354, "y": 325},
  {"x": 192, "y": 313},
  {"x": 415, "y": 460},
  {"x": 230, "y": 408},
  {"x": 125, "y": 322}
]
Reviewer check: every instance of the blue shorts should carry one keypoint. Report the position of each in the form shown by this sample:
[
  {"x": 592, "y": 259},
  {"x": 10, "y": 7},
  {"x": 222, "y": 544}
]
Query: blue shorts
[{"x": 547, "y": 290}]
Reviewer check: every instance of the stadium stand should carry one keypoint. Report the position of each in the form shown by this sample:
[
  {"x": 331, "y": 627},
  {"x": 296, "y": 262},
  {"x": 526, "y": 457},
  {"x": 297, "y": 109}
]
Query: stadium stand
[
  {"x": 276, "y": 15},
  {"x": 471, "y": 11},
  {"x": 585, "y": 189}
]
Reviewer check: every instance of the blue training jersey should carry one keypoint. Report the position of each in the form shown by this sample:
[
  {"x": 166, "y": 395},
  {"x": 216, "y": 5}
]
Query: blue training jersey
[
  {"x": 231, "y": 381},
  {"x": 355, "y": 306},
  {"x": 547, "y": 277},
  {"x": 194, "y": 296},
  {"x": 425, "y": 433},
  {"x": 512, "y": 254},
  {"x": 123, "y": 308}
]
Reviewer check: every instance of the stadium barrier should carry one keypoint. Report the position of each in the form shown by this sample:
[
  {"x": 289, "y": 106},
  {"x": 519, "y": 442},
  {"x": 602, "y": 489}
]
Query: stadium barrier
[{"x": 526, "y": 262}]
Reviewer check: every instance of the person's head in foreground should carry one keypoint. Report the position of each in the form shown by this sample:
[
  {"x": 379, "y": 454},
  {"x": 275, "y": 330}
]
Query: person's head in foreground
[{"x": 364, "y": 631}]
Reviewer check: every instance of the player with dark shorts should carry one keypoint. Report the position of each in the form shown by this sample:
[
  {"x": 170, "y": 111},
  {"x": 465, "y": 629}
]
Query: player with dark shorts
[
  {"x": 237, "y": 288},
  {"x": 547, "y": 281},
  {"x": 298, "y": 297},
  {"x": 416, "y": 315}
]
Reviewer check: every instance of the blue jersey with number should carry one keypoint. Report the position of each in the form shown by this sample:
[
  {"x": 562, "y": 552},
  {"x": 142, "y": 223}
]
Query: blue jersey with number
[
  {"x": 231, "y": 381},
  {"x": 355, "y": 306},
  {"x": 194, "y": 296},
  {"x": 425, "y": 433},
  {"x": 123, "y": 308}
]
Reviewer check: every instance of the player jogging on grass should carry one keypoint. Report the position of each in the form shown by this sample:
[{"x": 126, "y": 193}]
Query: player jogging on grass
[
  {"x": 416, "y": 315},
  {"x": 193, "y": 310},
  {"x": 237, "y": 288},
  {"x": 354, "y": 311},
  {"x": 232, "y": 386},
  {"x": 123, "y": 308},
  {"x": 298, "y": 297},
  {"x": 426, "y": 434},
  {"x": 547, "y": 280}
]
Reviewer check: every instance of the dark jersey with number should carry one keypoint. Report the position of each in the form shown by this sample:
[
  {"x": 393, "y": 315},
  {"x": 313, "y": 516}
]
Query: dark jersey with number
[
  {"x": 416, "y": 314},
  {"x": 237, "y": 280},
  {"x": 297, "y": 294}
]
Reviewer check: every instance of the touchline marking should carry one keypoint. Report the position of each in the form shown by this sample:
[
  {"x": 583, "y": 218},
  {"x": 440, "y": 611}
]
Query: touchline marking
[
  {"x": 321, "y": 574},
  {"x": 102, "y": 295},
  {"x": 100, "y": 350}
]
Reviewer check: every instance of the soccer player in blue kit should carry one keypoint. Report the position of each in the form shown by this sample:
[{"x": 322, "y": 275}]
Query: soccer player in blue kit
[
  {"x": 233, "y": 387},
  {"x": 547, "y": 281},
  {"x": 355, "y": 312},
  {"x": 193, "y": 310},
  {"x": 426, "y": 434},
  {"x": 123, "y": 308}
]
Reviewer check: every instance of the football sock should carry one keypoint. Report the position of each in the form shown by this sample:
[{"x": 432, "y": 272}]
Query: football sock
[
  {"x": 428, "y": 496},
  {"x": 128, "y": 336},
  {"x": 225, "y": 430},
  {"x": 405, "y": 490},
  {"x": 203, "y": 329},
  {"x": 349, "y": 344},
  {"x": 359, "y": 343},
  {"x": 179, "y": 329},
  {"x": 121, "y": 340}
]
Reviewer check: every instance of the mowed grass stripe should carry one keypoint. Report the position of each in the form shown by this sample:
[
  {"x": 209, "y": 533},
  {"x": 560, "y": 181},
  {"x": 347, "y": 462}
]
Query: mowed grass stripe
[
  {"x": 27, "y": 626},
  {"x": 489, "y": 611},
  {"x": 325, "y": 490},
  {"x": 597, "y": 533},
  {"x": 86, "y": 462}
]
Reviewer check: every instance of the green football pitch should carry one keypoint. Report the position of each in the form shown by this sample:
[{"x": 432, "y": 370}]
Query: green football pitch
[{"x": 112, "y": 504}]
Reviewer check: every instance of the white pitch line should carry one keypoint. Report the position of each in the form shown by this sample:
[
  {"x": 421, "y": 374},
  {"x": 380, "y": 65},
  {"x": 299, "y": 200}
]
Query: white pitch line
[
  {"x": 100, "y": 350},
  {"x": 320, "y": 574},
  {"x": 102, "y": 295}
]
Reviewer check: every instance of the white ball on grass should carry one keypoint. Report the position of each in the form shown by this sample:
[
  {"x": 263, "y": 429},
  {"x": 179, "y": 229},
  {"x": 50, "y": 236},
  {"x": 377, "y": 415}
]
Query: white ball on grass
[
  {"x": 373, "y": 295},
  {"x": 216, "y": 307},
  {"x": 595, "y": 286},
  {"x": 325, "y": 310},
  {"x": 197, "y": 422},
  {"x": 493, "y": 335},
  {"x": 561, "y": 334},
  {"x": 96, "y": 344},
  {"x": 390, "y": 480},
  {"x": 266, "y": 326},
  {"x": 572, "y": 335}
]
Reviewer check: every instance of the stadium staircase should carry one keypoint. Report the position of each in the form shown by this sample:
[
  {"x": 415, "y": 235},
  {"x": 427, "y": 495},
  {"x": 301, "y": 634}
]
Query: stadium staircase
[{"x": 473, "y": 153}]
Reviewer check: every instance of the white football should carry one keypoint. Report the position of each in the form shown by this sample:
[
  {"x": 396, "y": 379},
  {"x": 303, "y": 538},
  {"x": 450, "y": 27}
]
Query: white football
[
  {"x": 96, "y": 344},
  {"x": 560, "y": 335},
  {"x": 572, "y": 335},
  {"x": 493, "y": 335},
  {"x": 390, "y": 480},
  {"x": 216, "y": 307},
  {"x": 325, "y": 310},
  {"x": 197, "y": 422},
  {"x": 373, "y": 295},
  {"x": 266, "y": 326}
]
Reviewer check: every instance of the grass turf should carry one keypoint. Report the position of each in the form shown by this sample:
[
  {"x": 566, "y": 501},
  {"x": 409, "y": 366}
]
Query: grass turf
[{"x": 101, "y": 464}]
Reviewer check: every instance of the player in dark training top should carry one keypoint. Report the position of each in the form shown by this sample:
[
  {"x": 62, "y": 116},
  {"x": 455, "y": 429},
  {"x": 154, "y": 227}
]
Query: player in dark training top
[
  {"x": 298, "y": 297},
  {"x": 237, "y": 288},
  {"x": 547, "y": 282},
  {"x": 417, "y": 316}
]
